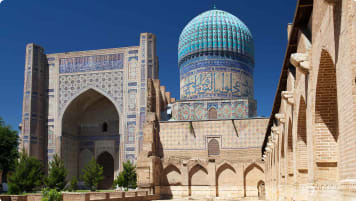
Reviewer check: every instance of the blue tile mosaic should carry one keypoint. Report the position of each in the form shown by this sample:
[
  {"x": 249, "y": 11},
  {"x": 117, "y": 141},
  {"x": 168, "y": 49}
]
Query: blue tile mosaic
[{"x": 91, "y": 63}]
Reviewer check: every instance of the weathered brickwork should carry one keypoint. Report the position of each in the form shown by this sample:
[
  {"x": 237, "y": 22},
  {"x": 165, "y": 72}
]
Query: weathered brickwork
[
  {"x": 314, "y": 111},
  {"x": 216, "y": 158}
]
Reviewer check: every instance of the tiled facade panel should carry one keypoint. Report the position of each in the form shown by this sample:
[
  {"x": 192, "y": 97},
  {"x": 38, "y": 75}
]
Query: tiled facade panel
[
  {"x": 73, "y": 85},
  {"x": 118, "y": 74},
  {"x": 226, "y": 109}
]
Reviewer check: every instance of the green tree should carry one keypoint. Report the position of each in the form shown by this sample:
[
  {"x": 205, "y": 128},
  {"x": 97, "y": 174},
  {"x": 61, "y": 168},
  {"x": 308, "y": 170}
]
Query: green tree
[
  {"x": 127, "y": 177},
  {"x": 8, "y": 148},
  {"x": 28, "y": 174},
  {"x": 73, "y": 184},
  {"x": 56, "y": 174},
  {"x": 51, "y": 195},
  {"x": 92, "y": 174}
]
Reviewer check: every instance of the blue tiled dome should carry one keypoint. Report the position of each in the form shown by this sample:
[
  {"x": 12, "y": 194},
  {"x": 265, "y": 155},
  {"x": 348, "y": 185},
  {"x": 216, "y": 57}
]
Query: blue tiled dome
[
  {"x": 215, "y": 31},
  {"x": 216, "y": 58}
]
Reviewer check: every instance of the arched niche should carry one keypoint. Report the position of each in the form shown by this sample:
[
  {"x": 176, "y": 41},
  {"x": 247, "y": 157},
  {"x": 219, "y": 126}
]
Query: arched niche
[
  {"x": 326, "y": 121},
  {"x": 82, "y": 128},
  {"x": 107, "y": 162}
]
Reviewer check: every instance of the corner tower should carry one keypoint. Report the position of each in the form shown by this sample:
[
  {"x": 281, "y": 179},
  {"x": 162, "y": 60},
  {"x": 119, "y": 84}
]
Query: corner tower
[{"x": 216, "y": 63}]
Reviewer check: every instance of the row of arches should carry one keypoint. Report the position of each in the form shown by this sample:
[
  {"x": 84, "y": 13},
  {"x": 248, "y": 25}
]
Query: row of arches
[
  {"x": 306, "y": 150},
  {"x": 227, "y": 180}
]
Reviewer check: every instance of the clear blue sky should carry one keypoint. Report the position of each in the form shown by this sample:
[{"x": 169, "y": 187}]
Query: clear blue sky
[{"x": 72, "y": 25}]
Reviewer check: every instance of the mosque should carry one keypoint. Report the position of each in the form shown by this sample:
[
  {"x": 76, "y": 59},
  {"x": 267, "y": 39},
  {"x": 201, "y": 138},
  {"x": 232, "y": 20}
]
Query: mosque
[
  {"x": 95, "y": 103},
  {"x": 109, "y": 104},
  {"x": 211, "y": 147}
]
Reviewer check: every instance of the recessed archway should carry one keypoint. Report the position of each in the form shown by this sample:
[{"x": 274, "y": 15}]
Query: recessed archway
[
  {"x": 261, "y": 190},
  {"x": 212, "y": 113},
  {"x": 198, "y": 178},
  {"x": 213, "y": 147},
  {"x": 252, "y": 175},
  {"x": 225, "y": 179},
  {"x": 107, "y": 162},
  {"x": 82, "y": 129},
  {"x": 326, "y": 121},
  {"x": 290, "y": 163},
  {"x": 172, "y": 176},
  {"x": 283, "y": 157},
  {"x": 301, "y": 145}
]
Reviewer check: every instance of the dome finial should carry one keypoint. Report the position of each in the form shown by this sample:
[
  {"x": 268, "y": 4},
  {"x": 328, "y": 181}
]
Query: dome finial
[{"x": 214, "y": 6}]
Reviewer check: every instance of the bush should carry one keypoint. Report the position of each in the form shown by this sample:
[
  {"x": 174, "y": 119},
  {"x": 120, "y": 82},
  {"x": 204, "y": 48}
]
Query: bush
[
  {"x": 56, "y": 174},
  {"x": 28, "y": 174},
  {"x": 92, "y": 174},
  {"x": 127, "y": 177},
  {"x": 73, "y": 184},
  {"x": 8, "y": 149},
  {"x": 51, "y": 195}
]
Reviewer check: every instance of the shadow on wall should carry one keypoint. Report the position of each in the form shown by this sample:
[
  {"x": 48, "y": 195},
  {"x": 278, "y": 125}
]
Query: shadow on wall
[{"x": 251, "y": 178}]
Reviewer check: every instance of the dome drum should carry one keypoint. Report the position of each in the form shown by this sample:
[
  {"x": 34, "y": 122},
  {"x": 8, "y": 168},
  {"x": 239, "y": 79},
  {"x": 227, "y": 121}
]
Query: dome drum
[{"x": 216, "y": 57}]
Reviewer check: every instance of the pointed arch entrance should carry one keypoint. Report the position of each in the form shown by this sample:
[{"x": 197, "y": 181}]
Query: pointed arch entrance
[
  {"x": 82, "y": 121},
  {"x": 107, "y": 162}
]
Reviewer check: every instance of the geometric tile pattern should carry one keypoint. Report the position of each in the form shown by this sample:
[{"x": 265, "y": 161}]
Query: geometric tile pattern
[
  {"x": 226, "y": 109},
  {"x": 109, "y": 82}
]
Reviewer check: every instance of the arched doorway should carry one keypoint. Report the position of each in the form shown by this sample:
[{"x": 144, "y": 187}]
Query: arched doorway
[
  {"x": 212, "y": 113},
  {"x": 107, "y": 162},
  {"x": 90, "y": 124},
  {"x": 261, "y": 190}
]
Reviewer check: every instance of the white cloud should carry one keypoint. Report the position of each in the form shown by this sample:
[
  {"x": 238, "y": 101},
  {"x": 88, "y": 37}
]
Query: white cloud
[{"x": 1, "y": 1}]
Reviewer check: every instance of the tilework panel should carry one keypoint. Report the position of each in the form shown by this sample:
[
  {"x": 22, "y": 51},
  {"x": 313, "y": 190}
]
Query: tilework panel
[
  {"x": 132, "y": 66},
  {"x": 227, "y": 109},
  {"x": 132, "y": 100},
  {"x": 199, "y": 111},
  {"x": 130, "y": 84},
  {"x": 109, "y": 82},
  {"x": 208, "y": 81},
  {"x": 133, "y": 52},
  {"x": 91, "y": 63}
]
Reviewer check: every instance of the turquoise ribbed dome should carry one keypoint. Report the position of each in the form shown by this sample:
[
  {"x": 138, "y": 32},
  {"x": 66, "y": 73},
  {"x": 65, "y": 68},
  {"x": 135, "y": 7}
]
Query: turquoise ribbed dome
[{"x": 215, "y": 31}]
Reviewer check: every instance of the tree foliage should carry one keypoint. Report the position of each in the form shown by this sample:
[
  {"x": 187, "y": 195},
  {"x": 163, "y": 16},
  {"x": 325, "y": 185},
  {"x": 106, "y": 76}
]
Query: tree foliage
[
  {"x": 28, "y": 174},
  {"x": 56, "y": 174},
  {"x": 51, "y": 195},
  {"x": 127, "y": 177},
  {"x": 92, "y": 174},
  {"x": 8, "y": 148},
  {"x": 73, "y": 184}
]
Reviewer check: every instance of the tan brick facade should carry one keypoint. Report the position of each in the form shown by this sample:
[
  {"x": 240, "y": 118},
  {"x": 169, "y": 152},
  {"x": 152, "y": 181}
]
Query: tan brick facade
[
  {"x": 313, "y": 115},
  {"x": 199, "y": 159}
]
